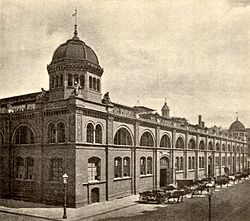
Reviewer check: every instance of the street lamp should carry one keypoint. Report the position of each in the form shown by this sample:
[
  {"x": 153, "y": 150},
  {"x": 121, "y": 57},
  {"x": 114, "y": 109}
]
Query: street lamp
[
  {"x": 210, "y": 190},
  {"x": 65, "y": 176}
]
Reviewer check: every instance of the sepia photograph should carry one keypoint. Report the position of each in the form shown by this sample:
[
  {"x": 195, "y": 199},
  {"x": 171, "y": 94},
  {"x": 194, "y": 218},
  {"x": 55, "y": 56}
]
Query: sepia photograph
[{"x": 125, "y": 110}]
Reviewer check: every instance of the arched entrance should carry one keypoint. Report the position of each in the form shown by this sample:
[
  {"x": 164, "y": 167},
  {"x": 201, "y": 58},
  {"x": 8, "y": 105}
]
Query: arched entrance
[
  {"x": 165, "y": 172},
  {"x": 95, "y": 195},
  {"x": 210, "y": 167}
]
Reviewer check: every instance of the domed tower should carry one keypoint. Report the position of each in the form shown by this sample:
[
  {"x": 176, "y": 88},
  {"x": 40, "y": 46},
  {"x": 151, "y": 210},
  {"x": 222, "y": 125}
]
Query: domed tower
[
  {"x": 237, "y": 129},
  {"x": 74, "y": 71},
  {"x": 165, "y": 110}
]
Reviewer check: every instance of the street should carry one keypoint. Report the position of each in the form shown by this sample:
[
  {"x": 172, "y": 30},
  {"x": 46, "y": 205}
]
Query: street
[{"x": 230, "y": 203}]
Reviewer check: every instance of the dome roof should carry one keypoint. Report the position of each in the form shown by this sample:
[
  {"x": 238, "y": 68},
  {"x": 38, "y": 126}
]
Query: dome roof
[
  {"x": 237, "y": 126},
  {"x": 165, "y": 107},
  {"x": 74, "y": 49}
]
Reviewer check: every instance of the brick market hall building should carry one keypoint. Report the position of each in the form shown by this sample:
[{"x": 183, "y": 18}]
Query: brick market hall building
[{"x": 107, "y": 149}]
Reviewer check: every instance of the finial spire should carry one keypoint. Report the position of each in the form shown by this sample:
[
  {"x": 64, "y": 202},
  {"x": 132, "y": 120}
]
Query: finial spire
[
  {"x": 237, "y": 116},
  {"x": 75, "y": 31}
]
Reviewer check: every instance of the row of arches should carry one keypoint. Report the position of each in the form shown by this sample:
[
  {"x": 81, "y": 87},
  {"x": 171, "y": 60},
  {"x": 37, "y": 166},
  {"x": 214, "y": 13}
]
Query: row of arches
[
  {"x": 56, "y": 81},
  {"x": 76, "y": 79},
  {"x": 94, "y": 84}
]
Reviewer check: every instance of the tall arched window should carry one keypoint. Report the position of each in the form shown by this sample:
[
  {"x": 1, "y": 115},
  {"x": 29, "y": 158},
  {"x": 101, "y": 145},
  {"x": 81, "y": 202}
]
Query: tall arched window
[
  {"x": 56, "y": 169},
  {"x": 98, "y": 134},
  {"x": 202, "y": 145},
  {"x": 51, "y": 133},
  {"x": 94, "y": 83},
  {"x": 98, "y": 85},
  {"x": 90, "y": 133},
  {"x": 181, "y": 163},
  {"x": 60, "y": 132},
  {"x": 126, "y": 166},
  {"x": 179, "y": 143},
  {"x": 123, "y": 137},
  {"x": 76, "y": 79},
  {"x": 165, "y": 141},
  {"x": 202, "y": 162},
  {"x": 24, "y": 135},
  {"x": 193, "y": 163},
  {"x": 82, "y": 81},
  {"x": 149, "y": 165},
  {"x": 223, "y": 147},
  {"x": 61, "y": 80},
  {"x": 90, "y": 82},
  {"x": 217, "y": 146},
  {"x": 20, "y": 169},
  {"x": 191, "y": 144},
  {"x": 70, "y": 80},
  {"x": 94, "y": 169},
  {"x": 57, "y": 80},
  {"x": 177, "y": 163},
  {"x": 143, "y": 166},
  {"x": 118, "y": 167},
  {"x": 210, "y": 146},
  {"x": 189, "y": 163},
  {"x": 146, "y": 140},
  {"x": 229, "y": 147},
  {"x": 199, "y": 162},
  {"x": 29, "y": 168}
]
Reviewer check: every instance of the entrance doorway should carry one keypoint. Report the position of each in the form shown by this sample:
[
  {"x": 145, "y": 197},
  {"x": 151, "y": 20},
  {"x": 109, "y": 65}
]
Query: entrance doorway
[
  {"x": 95, "y": 194},
  {"x": 165, "y": 172}
]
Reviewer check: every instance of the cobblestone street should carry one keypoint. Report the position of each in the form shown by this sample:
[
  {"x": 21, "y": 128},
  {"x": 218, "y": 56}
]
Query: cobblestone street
[{"x": 230, "y": 203}]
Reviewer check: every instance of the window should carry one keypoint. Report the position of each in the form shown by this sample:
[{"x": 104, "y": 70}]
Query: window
[
  {"x": 82, "y": 81},
  {"x": 90, "y": 82},
  {"x": 90, "y": 133},
  {"x": 60, "y": 132},
  {"x": 1, "y": 139},
  {"x": 229, "y": 147},
  {"x": 98, "y": 85},
  {"x": 57, "y": 80},
  {"x": 143, "y": 166},
  {"x": 217, "y": 161},
  {"x": 189, "y": 163},
  {"x": 165, "y": 142},
  {"x": 122, "y": 137},
  {"x": 24, "y": 135},
  {"x": 98, "y": 134},
  {"x": 61, "y": 80},
  {"x": 217, "y": 147},
  {"x": 51, "y": 133},
  {"x": 181, "y": 163},
  {"x": 203, "y": 162},
  {"x": 223, "y": 147},
  {"x": 20, "y": 169},
  {"x": 200, "y": 162},
  {"x": 149, "y": 165},
  {"x": 223, "y": 161},
  {"x": 210, "y": 146},
  {"x": 118, "y": 167},
  {"x": 146, "y": 140},
  {"x": 29, "y": 168},
  {"x": 76, "y": 79},
  {"x": 179, "y": 143},
  {"x": 56, "y": 170},
  {"x": 191, "y": 144},
  {"x": 126, "y": 166},
  {"x": 94, "y": 169},
  {"x": 193, "y": 163},
  {"x": 202, "y": 145},
  {"x": 94, "y": 83},
  {"x": 229, "y": 161},
  {"x": 177, "y": 163},
  {"x": 70, "y": 80}
]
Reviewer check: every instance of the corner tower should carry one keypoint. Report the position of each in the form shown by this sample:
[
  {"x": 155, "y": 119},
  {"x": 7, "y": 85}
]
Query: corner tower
[{"x": 74, "y": 70}]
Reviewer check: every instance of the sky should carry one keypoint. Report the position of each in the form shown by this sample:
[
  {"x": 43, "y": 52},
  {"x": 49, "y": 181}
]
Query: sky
[{"x": 195, "y": 54}]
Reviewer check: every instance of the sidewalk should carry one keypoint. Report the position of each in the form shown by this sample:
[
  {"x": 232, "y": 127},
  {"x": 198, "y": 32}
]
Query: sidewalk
[{"x": 55, "y": 213}]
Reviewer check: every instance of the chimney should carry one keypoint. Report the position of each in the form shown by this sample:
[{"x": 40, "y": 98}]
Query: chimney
[
  {"x": 200, "y": 120},
  {"x": 203, "y": 124}
]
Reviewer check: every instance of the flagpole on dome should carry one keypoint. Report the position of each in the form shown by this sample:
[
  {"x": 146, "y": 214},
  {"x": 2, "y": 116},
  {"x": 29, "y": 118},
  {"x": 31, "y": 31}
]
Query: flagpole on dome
[{"x": 75, "y": 30}]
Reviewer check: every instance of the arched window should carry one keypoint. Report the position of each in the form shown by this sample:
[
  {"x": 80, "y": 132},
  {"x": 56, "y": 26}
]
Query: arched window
[
  {"x": 90, "y": 133},
  {"x": 146, "y": 140},
  {"x": 90, "y": 82},
  {"x": 76, "y": 79},
  {"x": 98, "y": 85},
  {"x": 98, "y": 134},
  {"x": 177, "y": 163},
  {"x": 29, "y": 168},
  {"x": 191, "y": 144},
  {"x": 20, "y": 169},
  {"x": 60, "y": 132},
  {"x": 118, "y": 167},
  {"x": 51, "y": 133},
  {"x": 56, "y": 169},
  {"x": 149, "y": 165},
  {"x": 202, "y": 145},
  {"x": 181, "y": 163},
  {"x": 217, "y": 146},
  {"x": 164, "y": 162},
  {"x": 165, "y": 141},
  {"x": 200, "y": 162},
  {"x": 229, "y": 147},
  {"x": 193, "y": 163},
  {"x": 233, "y": 148},
  {"x": 179, "y": 143},
  {"x": 61, "y": 80},
  {"x": 94, "y": 169},
  {"x": 94, "y": 83},
  {"x": 82, "y": 81},
  {"x": 189, "y": 163},
  {"x": 24, "y": 135},
  {"x": 57, "y": 80},
  {"x": 223, "y": 147},
  {"x": 126, "y": 166},
  {"x": 70, "y": 80},
  {"x": 52, "y": 82},
  {"x": 143, "y": 166},
  {"x": 210, "y": 146},
  {"x": 123, "y": 137}
]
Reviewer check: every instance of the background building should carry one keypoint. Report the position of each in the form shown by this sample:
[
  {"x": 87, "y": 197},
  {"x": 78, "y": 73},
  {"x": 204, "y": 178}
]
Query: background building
[{"x": 107, "y": 149}]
